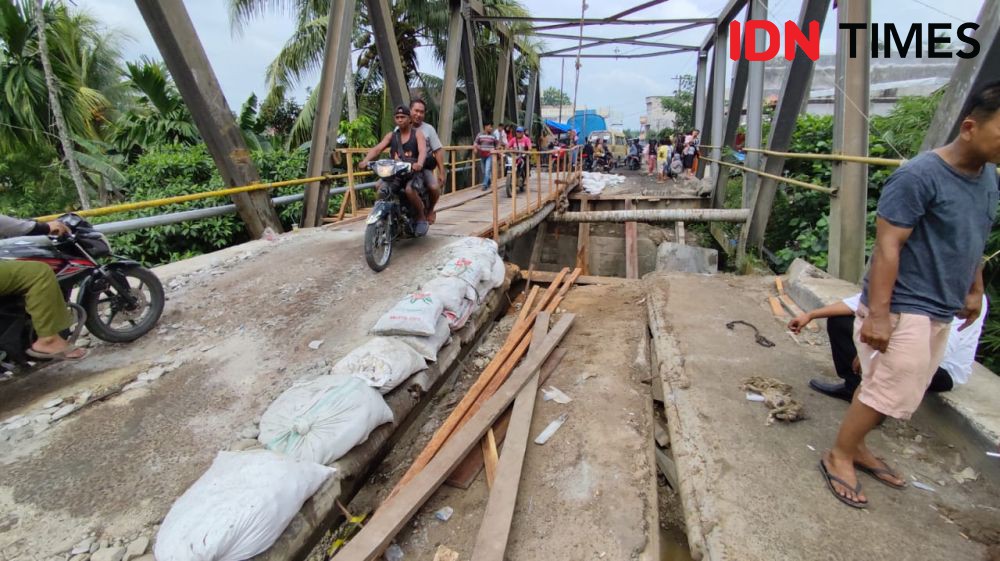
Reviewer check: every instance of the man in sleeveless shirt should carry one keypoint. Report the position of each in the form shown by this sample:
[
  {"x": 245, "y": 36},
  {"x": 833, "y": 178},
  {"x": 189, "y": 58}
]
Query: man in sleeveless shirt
[{"x": 408, "y": 145}]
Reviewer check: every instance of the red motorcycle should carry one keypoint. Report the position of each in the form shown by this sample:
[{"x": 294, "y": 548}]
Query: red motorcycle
[{"x": 117, "y": 299}]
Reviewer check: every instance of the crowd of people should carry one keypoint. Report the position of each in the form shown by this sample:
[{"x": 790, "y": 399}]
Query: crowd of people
[{"x": 669, "y": 157}]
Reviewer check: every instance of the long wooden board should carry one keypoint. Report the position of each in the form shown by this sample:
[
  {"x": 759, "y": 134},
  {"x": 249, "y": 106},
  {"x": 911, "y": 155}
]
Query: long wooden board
[
  {"x": 548, "y": 277},
  {"x": 467, "y": 471},
  {"x": 372, "y": 540},
  {"x": 631, "y": 246},
  {"x": 491, "y": 542}
]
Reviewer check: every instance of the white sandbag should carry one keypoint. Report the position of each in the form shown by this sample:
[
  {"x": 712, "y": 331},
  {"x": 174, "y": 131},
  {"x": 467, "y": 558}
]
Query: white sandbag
[
  {"x": 382, "y": 363},
  {"x": 468, "y": 265},
  {"x": 323, "y": 419},
  {"x": 475, "y": 243},
  {"x": 238, "y": 508},
  {"x": 498, "y": 272},
  {"x": 416, "y": 314},
  {"x": 428, "y": 347},
  {"x": 449, "y": 290},
  {"x": 457, "y": 320}
]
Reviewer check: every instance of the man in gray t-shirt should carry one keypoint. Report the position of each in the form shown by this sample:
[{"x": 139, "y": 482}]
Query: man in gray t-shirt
[
  {"x": 934, "y": 216},
  {"x": 433, "y": 170}
]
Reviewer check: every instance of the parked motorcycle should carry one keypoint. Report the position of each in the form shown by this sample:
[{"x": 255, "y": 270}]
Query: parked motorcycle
[
  {"x": 522, "y": 172},
  {"x": 117, "y": 299},
  {"x": 392, "y": 217}
]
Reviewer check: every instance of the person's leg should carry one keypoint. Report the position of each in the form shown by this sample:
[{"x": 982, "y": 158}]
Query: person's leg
[
  {"x": 941, "y": 382},
  {"x": 433, "y": 194},
  {"x": 487, "y": 172},
  {"x": 43, "y": 301},
  {"x": 420, "y": 219}
]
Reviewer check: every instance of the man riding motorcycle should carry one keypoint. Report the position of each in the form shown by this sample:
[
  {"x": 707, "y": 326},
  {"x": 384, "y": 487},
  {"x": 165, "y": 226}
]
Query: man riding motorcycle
[
  {"x": 36, "y": 283},
  {"x": 408, "y": 145}
]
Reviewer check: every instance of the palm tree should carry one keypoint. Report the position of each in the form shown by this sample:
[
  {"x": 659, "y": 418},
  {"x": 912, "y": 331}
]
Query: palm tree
[
  {"x": 157, "y": 114},
  {"x": 417, "y": 22},
  {"x": 52, "y": 86},
  {"x": 77, "y": 76}
]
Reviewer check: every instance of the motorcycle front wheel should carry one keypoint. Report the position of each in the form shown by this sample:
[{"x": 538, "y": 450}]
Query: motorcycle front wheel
[
  {"x": 123, "y": 313},
  {"x": 378, "y": 244}
]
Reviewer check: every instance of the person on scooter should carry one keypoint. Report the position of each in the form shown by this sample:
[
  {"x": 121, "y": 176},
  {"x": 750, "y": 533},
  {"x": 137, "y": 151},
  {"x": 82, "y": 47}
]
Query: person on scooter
[
  {"x": 407, "y": 145},
  {"x": 434, "y": 166},
  {"x": 588, "y": 156},
  {"x": 36, "y": 283},
  {"x": 520, "y": 141}
]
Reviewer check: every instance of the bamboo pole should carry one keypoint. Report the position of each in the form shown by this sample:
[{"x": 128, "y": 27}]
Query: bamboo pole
[{"x": 454, "y": 179}]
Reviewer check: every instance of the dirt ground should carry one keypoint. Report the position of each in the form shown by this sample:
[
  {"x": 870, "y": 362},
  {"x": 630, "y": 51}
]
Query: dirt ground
[
  {"x": 235, "y": 333},
  {"x": 758, "y": 492},
  {"x": 590, "y": 491}
]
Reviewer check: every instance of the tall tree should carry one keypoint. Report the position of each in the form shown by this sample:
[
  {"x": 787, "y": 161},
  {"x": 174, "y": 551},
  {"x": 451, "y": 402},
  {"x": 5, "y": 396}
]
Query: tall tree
[
  {"x": 553, "y": 96},
  {"x": 682, "y": 103},
  {"x": 52, "y": 85}
]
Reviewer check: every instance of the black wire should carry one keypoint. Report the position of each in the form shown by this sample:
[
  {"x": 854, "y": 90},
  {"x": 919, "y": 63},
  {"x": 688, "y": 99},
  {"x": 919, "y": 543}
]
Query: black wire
[{"x": 760, "y": 339}]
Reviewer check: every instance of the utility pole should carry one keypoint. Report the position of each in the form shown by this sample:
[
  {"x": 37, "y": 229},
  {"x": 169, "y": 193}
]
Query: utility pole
[{"x": 562, "y": 76}]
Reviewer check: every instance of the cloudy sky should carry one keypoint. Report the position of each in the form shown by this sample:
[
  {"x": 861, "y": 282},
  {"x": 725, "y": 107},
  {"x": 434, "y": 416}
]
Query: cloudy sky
[{"x": 239, "y": 59}]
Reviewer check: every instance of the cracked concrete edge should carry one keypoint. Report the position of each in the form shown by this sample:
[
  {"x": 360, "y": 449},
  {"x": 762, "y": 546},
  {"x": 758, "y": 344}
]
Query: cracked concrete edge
[
  {"x": 320, "y": 511},
  {"x": 972, "y": 405},
  {"x": 702, "y": 530}
]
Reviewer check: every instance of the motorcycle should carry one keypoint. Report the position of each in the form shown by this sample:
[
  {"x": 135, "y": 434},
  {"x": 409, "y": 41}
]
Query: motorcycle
[
  {"x": 604, "y": 164},
  {"x": 522, "y": 172},
  {"x": 118, "y": 300},
  {"x": 632, "y": 162},
  {"x": 392, "y": 217}
]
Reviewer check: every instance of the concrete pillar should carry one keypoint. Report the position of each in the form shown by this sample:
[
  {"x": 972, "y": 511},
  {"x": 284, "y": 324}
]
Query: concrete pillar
[
  {"x": 175, "y": 37},
  {"x": 848, "y": 210}
]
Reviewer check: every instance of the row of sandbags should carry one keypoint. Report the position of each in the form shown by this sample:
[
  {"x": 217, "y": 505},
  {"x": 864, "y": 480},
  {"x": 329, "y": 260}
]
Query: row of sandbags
[
  {"x": 594, "y": 183},
  {"x": 242, "y": 504}
]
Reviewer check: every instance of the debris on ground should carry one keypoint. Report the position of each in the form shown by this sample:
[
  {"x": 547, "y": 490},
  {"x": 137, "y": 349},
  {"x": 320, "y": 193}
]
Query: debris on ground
[
  {"x": 777, "y": 397},
  {"x": 443, "y": 514},
  {"x": 551, "y": 429},
  {"x": 553, "y": 393}
]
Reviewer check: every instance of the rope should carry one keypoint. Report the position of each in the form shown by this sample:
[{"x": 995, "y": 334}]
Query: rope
[{"x": 579, "y": 50}]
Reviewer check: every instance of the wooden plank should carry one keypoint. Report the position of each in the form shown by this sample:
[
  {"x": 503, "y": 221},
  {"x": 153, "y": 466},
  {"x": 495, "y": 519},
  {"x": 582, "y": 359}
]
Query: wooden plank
[
  {"x": 490, "y": 456},
  {"x": 776, "y": 308},
  {"x": 667, "y": 468},
  {"x": 545, "y": 277},
  {"x": 491, "y": 542},
  {"x": 396, "y": 511},
  {"x": 795, "y": 310},
  {"x": 660, "y": 434},
  {"x": 469, "y": 469},
  {"x": 498, "y": 368},
  {"x": 536, "y": 249},
  {"x": 779, "y": 285},
  {"x": 583, "y": 240},
  {"x": 631, "y": 247},
  {"x": 679, "y": 232}
]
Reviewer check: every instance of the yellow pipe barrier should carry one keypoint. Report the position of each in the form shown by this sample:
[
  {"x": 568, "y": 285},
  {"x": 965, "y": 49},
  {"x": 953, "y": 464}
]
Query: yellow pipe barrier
[
  {"x": 139, "y": 205},
  {"x": 891, "y": 162},
  {"x": 828, "y": 190}
]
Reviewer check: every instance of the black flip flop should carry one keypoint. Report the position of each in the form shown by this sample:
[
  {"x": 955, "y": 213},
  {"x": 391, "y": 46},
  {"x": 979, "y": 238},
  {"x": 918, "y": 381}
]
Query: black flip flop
[
  {"x": 830, "y": 479},
  {"x": 877, "y": 472}
]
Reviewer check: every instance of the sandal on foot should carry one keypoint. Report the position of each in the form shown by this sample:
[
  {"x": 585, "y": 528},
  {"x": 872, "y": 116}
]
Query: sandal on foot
[
  {"x": 61, "y": 355},
  {"x": 879, "y": 472},
  {"x": 830, "y": 479}
]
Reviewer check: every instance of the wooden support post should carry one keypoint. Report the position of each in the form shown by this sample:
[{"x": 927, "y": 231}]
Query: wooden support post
[
  {"x": 350, "y": 194},
  {"x": 679, "y": 232},
  {"x": 583, "y": 240},
  {"x": 513, "y": 189},
  {"x": 538, "y": 177},
  {"x": 454, "y": 176},
  {"x": 475, "y": 165},
  {"x": 631, "y": 246},
  {"x": 175, "y": 37},
  {"x": 536, "y": 249},
  {"x": 496, "y": 201}
]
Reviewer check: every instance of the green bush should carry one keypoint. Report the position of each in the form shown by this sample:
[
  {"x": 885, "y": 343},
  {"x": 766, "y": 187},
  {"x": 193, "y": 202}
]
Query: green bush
[{"x": 170, "y": 171}]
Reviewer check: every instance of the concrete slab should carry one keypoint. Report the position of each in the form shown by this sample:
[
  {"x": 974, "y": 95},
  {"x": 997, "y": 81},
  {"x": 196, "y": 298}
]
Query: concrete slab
[
  {"x": 752, "y": 491},
  {"x": 590, "y": 491},
  {"x": 236, "y": 331},
  {"x": 683, "y": 258}
]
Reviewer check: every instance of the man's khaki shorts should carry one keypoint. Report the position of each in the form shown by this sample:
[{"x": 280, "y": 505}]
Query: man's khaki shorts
[{"x": 894, "y": 382}]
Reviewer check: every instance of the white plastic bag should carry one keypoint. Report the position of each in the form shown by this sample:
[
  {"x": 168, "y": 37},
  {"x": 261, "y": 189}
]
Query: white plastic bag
[
  {"x": 416, "y": 314},
  {"x": 238, "y": 508},
  {"x": 382, "y": 362},
  {"x": 428, "y": 347},
  {"x": 322, "y": 420}
]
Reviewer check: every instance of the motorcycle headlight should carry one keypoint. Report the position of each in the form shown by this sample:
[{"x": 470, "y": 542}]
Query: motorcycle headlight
[{"x": 383, "y": 168}]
